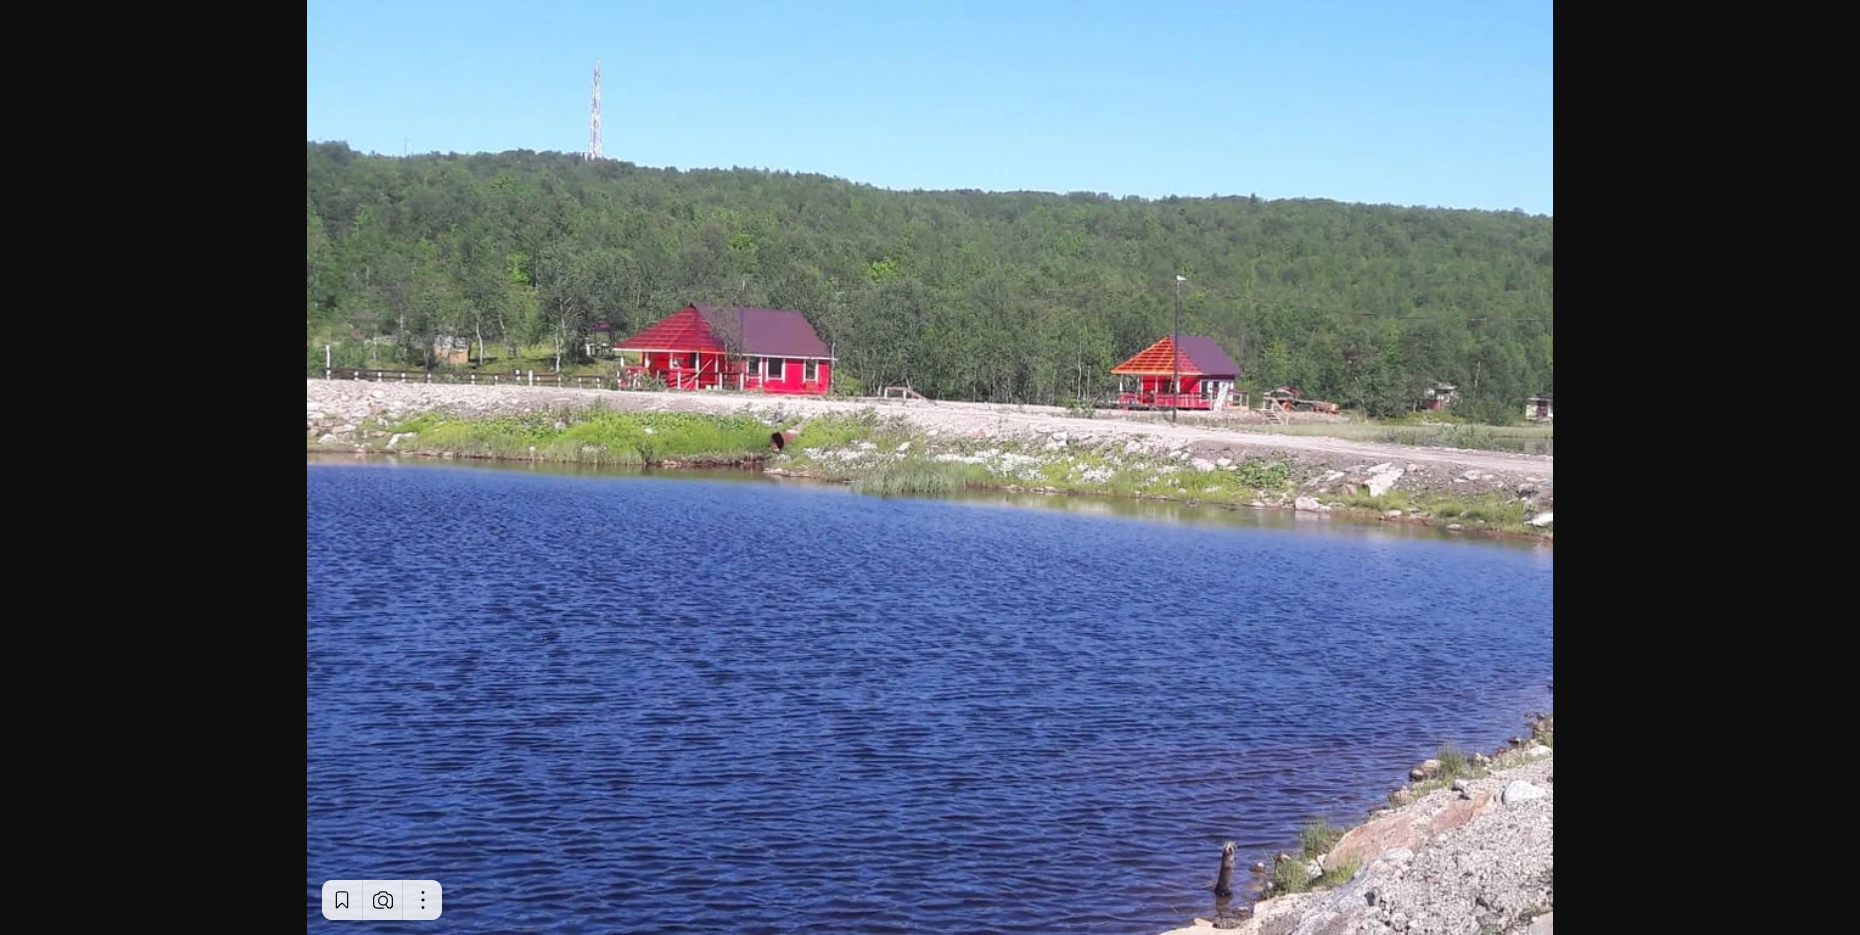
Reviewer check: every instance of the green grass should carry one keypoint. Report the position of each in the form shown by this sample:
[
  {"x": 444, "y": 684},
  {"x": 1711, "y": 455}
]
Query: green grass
[
  {"x": 1317, "y": 837},
  {"x": 1344, "y": 872},
  {"x": 1454, "y": 762},
  {"x": 1533, "y": 439},
  {"x": 596, "y": 435},
  {"x": 1493, "y": 510},
  {"x": 913, "y": 477}
]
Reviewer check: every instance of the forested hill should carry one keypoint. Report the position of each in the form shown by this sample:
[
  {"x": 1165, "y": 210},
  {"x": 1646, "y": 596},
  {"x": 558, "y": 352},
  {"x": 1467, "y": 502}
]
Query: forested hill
[{"x": 1016, "y": 296}]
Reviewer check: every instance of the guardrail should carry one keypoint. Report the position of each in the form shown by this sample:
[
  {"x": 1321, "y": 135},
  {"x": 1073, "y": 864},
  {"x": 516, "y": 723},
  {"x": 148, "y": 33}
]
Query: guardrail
[{"x": 473, "y": 378}]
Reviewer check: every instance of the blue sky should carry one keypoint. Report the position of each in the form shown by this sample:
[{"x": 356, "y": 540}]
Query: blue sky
[{"x": 1423, "y": 103}]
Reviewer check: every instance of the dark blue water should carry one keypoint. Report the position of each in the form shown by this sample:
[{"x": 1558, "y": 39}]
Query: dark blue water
[{"x": 673, "y": 705}]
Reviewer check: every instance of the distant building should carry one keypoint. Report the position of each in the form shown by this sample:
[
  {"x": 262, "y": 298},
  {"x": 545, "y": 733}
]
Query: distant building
[
  {"x": 1201, "y": 377},
  {"x": 709, "y": 347},
  {"x": 1537, "y": 408},
  {"x": 1437, "y": 397},
  {"x": 451, "y": 350}
]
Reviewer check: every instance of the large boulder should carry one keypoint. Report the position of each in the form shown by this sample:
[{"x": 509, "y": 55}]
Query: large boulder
[{"x": 1519, "y": 792}]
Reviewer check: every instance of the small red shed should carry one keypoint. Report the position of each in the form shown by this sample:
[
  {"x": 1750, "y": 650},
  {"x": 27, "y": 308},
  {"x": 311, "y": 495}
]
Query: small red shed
[
  {"x": 708, "y": 347},
  {"x": 1207, "y": 376}
]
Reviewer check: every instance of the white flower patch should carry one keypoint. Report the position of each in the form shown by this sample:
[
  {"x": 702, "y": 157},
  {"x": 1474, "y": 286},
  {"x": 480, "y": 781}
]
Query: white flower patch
[{"x": 1096, "y": 475}]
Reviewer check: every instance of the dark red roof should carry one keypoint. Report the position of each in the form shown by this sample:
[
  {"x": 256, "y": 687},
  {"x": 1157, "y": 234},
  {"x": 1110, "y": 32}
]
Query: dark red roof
[
  {"x": 1212, "y": 360},
  {"x": 772, "y": 332},
  {"x": 765, "y": 332}
]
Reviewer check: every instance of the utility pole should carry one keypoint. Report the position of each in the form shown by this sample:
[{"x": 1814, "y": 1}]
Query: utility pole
[{"x": 1175, "y": 351}]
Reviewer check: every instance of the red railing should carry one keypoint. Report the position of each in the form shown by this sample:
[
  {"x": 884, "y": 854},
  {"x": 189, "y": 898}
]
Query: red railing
[{"x": 1166, "y": 400}]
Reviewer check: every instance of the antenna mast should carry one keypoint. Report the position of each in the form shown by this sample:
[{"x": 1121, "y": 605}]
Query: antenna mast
[{"x": 594, "y": 117}]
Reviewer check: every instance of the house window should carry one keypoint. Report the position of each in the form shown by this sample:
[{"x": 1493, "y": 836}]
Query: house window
[
  {"x": 810, "y": 371},
  {"x": 694, "y": 363},
  {"x": 778, "y": 369}
]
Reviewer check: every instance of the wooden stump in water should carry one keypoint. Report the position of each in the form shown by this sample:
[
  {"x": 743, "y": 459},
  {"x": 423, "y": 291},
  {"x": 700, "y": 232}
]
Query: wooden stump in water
[{"x": 1224, "y": 884}]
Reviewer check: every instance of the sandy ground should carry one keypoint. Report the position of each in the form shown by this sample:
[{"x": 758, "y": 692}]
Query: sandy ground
[{"x": 957, "y": 418}]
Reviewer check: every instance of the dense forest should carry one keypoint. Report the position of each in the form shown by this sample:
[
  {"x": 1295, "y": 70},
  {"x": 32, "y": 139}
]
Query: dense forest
[{"x": 1009, "y": 296}]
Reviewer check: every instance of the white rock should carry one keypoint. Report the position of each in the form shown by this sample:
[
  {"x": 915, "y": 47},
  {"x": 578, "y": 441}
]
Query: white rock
[
  {"x": 1201, "y": 465},
  {"x": 1381, "y": 482},
  {"x": 905, "y": 446},
  {"x": 327, "y": 440},
  {"x": 1543, "y": 519},
  {"x": 1521, "y": 791},
  {"x": 1309, "y": 505},
  {"x": 649, "y": 430},
  {"x": 1223, "y": 462},
  {"x": 1393, "y": 514}
]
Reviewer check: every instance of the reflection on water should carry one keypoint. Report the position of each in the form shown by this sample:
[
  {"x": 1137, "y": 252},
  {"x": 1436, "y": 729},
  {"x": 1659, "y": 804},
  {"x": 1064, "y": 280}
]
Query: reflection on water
[{"x": 1165, "y": 511}]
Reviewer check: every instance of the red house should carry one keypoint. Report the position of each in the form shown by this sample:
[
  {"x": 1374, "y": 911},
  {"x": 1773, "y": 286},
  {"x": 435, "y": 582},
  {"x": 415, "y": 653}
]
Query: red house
[
  {"x": 708, "y": 347},
  {"x": 1207, "y": 376}
]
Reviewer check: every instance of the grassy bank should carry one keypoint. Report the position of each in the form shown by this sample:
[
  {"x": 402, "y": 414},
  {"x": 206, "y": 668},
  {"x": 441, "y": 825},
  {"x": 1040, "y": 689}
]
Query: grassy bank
[
  {"x": 590, "y": 436},
  {"x": 890, "y": 456}
]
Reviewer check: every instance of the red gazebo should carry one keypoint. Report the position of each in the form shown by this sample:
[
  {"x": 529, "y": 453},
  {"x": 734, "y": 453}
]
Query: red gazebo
[
  {"x": 708, "y": 347},
  {"x": 1206, "y": 376}
]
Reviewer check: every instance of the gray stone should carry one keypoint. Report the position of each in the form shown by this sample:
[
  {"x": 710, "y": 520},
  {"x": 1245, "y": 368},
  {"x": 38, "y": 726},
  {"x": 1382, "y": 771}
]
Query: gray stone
[
  {"x": 1520, "y": 791},
  {"x": 1543, "y": 519},
  {"x": 1309, "y": 505}
]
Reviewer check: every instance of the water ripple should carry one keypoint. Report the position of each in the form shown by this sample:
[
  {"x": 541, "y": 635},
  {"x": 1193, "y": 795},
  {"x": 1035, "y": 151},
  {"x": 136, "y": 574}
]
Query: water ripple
[{"x": 650, "y": 705}]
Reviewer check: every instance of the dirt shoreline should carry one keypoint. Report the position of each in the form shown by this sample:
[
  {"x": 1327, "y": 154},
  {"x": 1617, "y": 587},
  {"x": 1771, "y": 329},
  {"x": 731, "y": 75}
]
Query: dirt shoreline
[{"x": 1326, "y": 475}]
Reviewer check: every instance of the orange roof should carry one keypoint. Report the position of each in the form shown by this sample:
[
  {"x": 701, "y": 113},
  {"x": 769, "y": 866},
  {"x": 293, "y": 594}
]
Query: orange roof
[
  {"x": 685, "y": 330},
  {"x": 1200, "y": 357}
]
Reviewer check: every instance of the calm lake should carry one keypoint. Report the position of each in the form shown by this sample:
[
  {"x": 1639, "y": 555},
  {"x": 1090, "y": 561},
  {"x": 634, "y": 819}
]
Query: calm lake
[{"x": 700, "y": 704}]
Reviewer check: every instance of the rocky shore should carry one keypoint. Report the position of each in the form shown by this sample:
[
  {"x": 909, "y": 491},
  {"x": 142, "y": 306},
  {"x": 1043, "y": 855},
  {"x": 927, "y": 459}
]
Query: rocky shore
[
  {"x": 1464, "y": 854},
  {"x": 1029, "y": 448}
]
